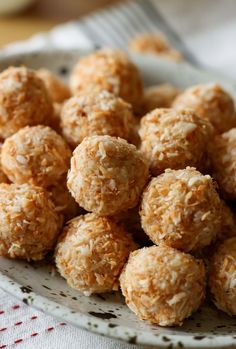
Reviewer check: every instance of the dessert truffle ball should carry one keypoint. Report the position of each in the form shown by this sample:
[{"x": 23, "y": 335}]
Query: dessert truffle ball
[
  {"x": 63, "y": 201},
  {"x": 36, "y": 155},
  {"x": 211, "y": 102},
  {"x": 92, "y": 252},
  {"x": 222, "y": 276},
  {"x": 23, "y": 100},
  {"x": 110, "y": 70},
  {"x": 174, "y": 139},
  {"x": 222, "y": 154},
  {"x": 57, "y": 89},
  {"x": 107, "y": 175},
  {"x": 163, "y": 285},
  {"x": 156, "y": 44},
  {"x": 159, "y": 96},
  {"x": 181, "y": 209},
  {"x": 29, "y": 222},
  {"x": 96, "y": 114}
]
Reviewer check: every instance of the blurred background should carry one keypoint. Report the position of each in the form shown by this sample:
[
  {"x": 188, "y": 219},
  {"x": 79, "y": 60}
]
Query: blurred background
[{"x": 20, "y": 19}]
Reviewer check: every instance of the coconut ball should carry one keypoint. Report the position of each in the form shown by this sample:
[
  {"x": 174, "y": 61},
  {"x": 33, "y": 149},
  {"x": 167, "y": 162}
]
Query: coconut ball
[
  {"x": 222, "y": 153},
  {"x": 96, "y": 114},
  {"x": 174, "y": 139},
  {"x": 156, "y": 44},
  {"x": 57, "y": 89},
  {"x": 181, "y": 209},
  {"x": 111, "y": 70},
  {"x": 211, "y": 102},
  {"x": 64, "y": 203},
  {"x": 158, "y": 96},
  {"x": 23, "y": 100},
  {"x": 36, "y": 155},
  {"x": 222, "y": 277},
  {"x": 91, "y": 253},
  {"x": 163, "y": 285},
  {"x": 29, "y": 222},
  {"x": 107, "y": 175}
]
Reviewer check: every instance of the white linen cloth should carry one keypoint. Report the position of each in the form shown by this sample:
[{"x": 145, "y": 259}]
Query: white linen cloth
[{"x": 208, "y": 29}]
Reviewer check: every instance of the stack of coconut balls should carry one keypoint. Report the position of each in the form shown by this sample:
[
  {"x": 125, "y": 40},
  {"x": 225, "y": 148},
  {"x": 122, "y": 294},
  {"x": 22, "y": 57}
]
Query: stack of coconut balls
[{"x": 129, "y": 185}]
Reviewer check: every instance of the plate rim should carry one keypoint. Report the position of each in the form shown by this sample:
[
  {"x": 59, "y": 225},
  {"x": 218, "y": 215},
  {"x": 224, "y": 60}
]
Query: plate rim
[{"x": 87, "y": 322}]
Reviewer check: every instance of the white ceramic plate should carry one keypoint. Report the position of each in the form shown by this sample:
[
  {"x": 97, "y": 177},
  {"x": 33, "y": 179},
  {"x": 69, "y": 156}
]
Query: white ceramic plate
[{"x": 39, "y": 285}]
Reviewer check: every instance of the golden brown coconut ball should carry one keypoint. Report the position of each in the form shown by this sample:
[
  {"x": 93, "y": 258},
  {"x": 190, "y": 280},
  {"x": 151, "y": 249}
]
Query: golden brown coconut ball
[
  {"x": 163, "y": 285},
  {"x": 228, "y": 223},
  {"x": 23, "y": 100},
  {"x": 36, "y": 155},
  {"x": 111, "y": 70},
  {"x": 63, "y": 201},
  {"x": 222, "y": 277},
  {"x": 29, "y": 222},
  {"x": 96, "y": 114},
  {"x": 211, "y": 102},
  {"x": 92, "y": 252},
  {"x": 57, "y": 89},
  {"x": 174, "y": 139},
  {"x": 222, "y": 154},
  {"x": 107, "y": 175},
  {"x": 181, "y": 209},
  {"x": 158, "y": 96},
  {"x": 156, "y": 44}
]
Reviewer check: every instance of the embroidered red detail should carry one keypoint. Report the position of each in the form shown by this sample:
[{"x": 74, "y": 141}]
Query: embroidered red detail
[
  {"x": 18, "y": 340},
  {"x": 3, "y": 346},
  {"x": 2, "y": 312},
  {"x": 14, "y": 307},
  {"x": 34, "y": 334},
  {"x": 33, "y": 317},
  {"x": 18, "y": 323},
  {"x": 3, "y": 329},
  {"x": 62, "y": 323},
  {"x": 50, "y": 328}
]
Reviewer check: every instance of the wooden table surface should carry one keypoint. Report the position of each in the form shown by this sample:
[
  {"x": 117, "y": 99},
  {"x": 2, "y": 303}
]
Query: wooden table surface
[{"x": 43, "y": 16}]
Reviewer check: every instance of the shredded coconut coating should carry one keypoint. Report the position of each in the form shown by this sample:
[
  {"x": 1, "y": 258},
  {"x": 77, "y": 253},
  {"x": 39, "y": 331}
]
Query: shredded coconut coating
[
  {"x": 228, "y": 223},
  {"x": 181, "y": 209},
  {"x": 29, "y": 222},
  {"x": 222, "y": 277},
  {"x": 92, "y": 252},
  {"x": 107, "y": 175},
  {"x": 174, "y": 139},
  {"x": 23, "y": 100},
  {"x": 96, "y": 114},
  {"x": 57, "y": 89},
  {"x": 211, "y": 102},
  {"x": 222, "y": 154},
  {"x": 163, "y": 285},
  {"x": 156, "y": 44},
  {"x": 158, "y": 96},
  {"x": 63, "y": 201},
  {"x": 111, "y": 70},
  {"x": 36, "y": 155}
]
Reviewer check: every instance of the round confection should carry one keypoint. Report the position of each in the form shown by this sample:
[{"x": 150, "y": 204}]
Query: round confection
[
  {"x": 57, "y": 89},
  {"x": 211, "y": 102},
  {"x": 91, "y": 253},
  {"x": 23, "y": 100},
  {"x": 174, "y": 139},
  {"x": 63, "y": 201},
  {"x": 158, "y": 96},
  {"x": 156, "y": 44},
  {"x": 36, "y": 155},
  {"x": 111, "y": 70},
  {"x": 29, "y": 222},
  {"x": 228, "y": 223},
  {"x": 163, "y": 285},
  {"x": 181, "y": 209},
  {"x": 222, "y": 278},
  {"x": 222, "y": 154},
  {"x": 96, "y": 114},
  {"x": 107, "y": 175}
]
